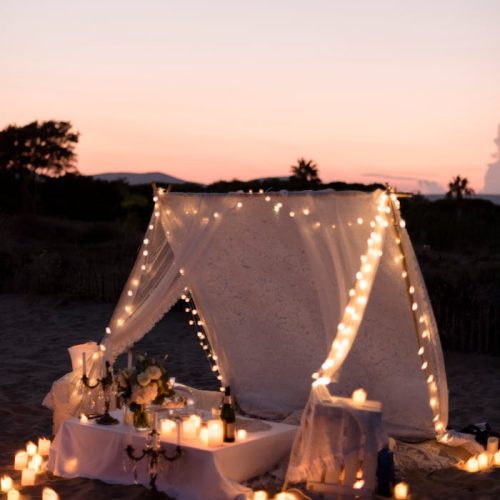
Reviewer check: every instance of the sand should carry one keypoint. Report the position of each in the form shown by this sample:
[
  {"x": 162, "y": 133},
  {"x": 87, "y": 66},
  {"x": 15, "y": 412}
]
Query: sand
[{"x": 36, "y": 331}]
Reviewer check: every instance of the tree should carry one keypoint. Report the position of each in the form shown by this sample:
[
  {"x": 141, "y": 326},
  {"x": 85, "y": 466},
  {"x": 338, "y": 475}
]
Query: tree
[
  {"x": 43, "y": 148},
  {"x": 305, "y": 171},
  {"x": 458, "y": 187}
]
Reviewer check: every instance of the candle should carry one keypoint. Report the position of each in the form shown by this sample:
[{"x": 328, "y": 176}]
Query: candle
[
  {"x": 83, "y": 419},
  {"x": 189, "y": 429},
  {"x": 167, "y": 427},
  {"x": 84, "y": 363},
  {"x": 492, "y": 445},
  {"x": 196, "y": 419},
  {"x": 284, "y": 495},
  {"x": 6, "y": 483},
  {"x": 28, "y": 477},
  {"x": 472, "y": 465},
  {"x": 21, "y": 460},
  {"x": 496, "y": 458},
  {"x": 204, "y": 435},
  {"x": 31, "y": 448},
  {"x": 215, "y": 432},
  {"x": 43, "y": 446},
  {"x": 359, "y": 396},
  {"x": 241, "y": 435},
  {"x": 35, "y": 463},
  {"x": 358, "y": 484},
  {"x": 260, "y": 495},
  {"x": 483, "y": 460},
  {"x": 49, "y": 494},
  {"x": 13, "y": 495},
  {"x": 129, "y": 358},
  {"x": 401, "y": 491}
]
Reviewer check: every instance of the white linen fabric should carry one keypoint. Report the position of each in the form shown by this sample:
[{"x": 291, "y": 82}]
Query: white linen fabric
[
  {"x": 97, "y": 452},
  {"x": 270, "y": 275}
]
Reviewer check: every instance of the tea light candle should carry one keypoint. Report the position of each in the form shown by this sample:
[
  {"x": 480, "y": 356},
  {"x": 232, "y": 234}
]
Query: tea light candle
[
  {"x": 43, "y": 446},
  {"x": 13, "y": 495},
  {"x": 21, "y": 460},
  {"x": 6, "y": 483},
  {"x": 401, "y": 491},
  {"x": 31, "y": 448},
  {"x": 284, "y": 495},
  {"x": 204, "y": 435},
  {"x": 260, "y": 495},
  {"x": 215, "y": 432},
  {"x": 496, "y": 458},
  {"x": 241, "y": 435},
  {"x": 359, "y": 396},
  {"x": 483, "y": 460},
  {"x": 189, "y": 429},
  {"x": 49, "y": 494},
  {"x": 472, "y": 465},
  {"x": 84, "y": 419},
  {"x": 492, "y": 445},
  {"x": 28, "y": 477}
]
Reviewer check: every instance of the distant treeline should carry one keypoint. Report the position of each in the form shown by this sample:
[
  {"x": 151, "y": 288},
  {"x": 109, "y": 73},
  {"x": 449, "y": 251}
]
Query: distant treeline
[{"x": 78, "y": 236}]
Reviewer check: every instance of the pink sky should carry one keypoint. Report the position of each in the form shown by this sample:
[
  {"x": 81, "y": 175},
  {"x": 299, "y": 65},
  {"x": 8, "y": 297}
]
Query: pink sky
[{"x": 223, "y": 89}]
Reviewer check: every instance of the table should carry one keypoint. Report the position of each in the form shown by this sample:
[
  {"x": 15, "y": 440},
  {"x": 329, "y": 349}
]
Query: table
[{"x": 202, "y": 473}]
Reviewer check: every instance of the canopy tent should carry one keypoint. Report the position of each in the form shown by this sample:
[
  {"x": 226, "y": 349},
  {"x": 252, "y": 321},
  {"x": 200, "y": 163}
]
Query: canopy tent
[{"x": 289, "y": 285}]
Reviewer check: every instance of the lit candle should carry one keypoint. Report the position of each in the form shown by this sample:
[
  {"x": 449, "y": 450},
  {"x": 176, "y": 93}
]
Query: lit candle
[
  {"x": 83, "y": 419},
  {"x": 31, "y": 448},
  {"x": 167, "y": 427},
  {"x": 35, "y": 463},
  {"x": 260, "y": 495},
  {"x": 84, "y": 363},
  {"x": 359, "y": 396},
  {"x": 21, "y": 460},
  {"x": 196, "y": 419},
  {"x": 358, "y": 484},
  {"x": 28, "y": 477},
  {"x": 401, "y": 491},
  {"x": 13, "y": 495},
  {"x": 189, "y": 429},
  {"x": 472, "y": 465},
  {"x": 6, "y": 483},
  {"x": 43, "y": 446},
  {"x": 204, "y": 435},
  {"x": 49, "y": 494},
  {"x": 285, "y": 495},
  {"x": 241, "y": 435},
  {"x": 496, "y": 458},
  {"x": 492, "y": 446},
  {"x": 215, "y": 432},
  {"x": 483, "y": 460}
]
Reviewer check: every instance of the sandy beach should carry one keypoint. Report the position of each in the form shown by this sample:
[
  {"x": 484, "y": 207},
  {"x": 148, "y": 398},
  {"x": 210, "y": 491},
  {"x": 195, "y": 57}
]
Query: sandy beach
[{"x": 36, "y": 332}]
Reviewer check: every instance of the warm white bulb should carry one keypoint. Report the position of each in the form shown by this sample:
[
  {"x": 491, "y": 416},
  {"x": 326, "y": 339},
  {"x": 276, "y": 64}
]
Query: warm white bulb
[
  {"x": 306, "y": 211},
  {"x": 292, "y": 214},
  {"x": 421, "y": 351},
  {"x": 146, "y": 241},
  {"x": 267, "y": 198},
  {"x": 145, "y": 253},
  {"x": 130, "y": 293},
  {"x": 108, "y": 330},
  {"x": 359, "y": 220},
  {"x": 239, "y": 204},
  {"x": 411, "y": 289},
  {"x": 157, "y": 214},
  {"x": 216, "y": 215},
  {"x": 143, "y": 267}
]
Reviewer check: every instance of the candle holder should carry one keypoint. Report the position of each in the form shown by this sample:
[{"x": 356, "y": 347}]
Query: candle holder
[
  {"x": 152, "y": 452},
  {"x": 105, "y": 382}
]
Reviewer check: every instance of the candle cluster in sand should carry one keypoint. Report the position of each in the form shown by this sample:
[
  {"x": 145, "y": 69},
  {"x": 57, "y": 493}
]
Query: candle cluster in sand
[
  {"x": 485, "y": 460},
  {"x": 31, "y": 462}
]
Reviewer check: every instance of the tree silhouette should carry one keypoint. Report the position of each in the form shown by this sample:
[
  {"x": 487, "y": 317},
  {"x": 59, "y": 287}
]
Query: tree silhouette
[
  {"x": 305, "y": 171},
  {"x": 44, "y": 148},
  {"x": 458, "y": 187}
]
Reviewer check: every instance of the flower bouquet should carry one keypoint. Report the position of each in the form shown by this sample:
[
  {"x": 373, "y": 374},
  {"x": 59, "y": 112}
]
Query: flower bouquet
[{"x": 145, "y": 383}]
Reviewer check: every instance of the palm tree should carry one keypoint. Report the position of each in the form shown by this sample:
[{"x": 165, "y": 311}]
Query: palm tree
[
  {"x": 458, "y": 187},
  {"x": 305, "y": 171}
]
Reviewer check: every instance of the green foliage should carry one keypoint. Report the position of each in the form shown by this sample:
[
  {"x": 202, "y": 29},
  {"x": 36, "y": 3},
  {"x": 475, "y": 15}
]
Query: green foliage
[{"x": 43, "y": 148}]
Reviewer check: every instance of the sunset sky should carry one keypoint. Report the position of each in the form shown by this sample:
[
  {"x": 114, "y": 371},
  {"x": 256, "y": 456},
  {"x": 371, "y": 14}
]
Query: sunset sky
[{"x": 371, "y": 90}]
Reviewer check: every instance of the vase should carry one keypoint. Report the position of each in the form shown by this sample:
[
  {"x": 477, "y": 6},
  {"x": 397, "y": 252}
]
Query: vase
[{"x": 141, "y": 419}]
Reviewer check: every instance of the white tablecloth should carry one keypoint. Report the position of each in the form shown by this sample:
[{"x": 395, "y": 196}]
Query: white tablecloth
[{"x": 98, "y": 452}]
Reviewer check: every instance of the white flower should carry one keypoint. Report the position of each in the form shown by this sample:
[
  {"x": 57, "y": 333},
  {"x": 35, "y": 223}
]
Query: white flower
[
  {"x": 143, "y": 379},
  {"x": 154, "y": 372}
]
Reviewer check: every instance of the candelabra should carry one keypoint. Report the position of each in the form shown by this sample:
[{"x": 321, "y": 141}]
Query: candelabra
[
  {"x": 153, "y": 452},
  {"x": 106, "y": 382}
]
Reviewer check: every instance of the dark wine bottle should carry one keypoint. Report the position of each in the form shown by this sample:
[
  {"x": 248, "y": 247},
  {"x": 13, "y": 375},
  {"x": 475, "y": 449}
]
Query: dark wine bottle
[{"x": 228, "y": 417}]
